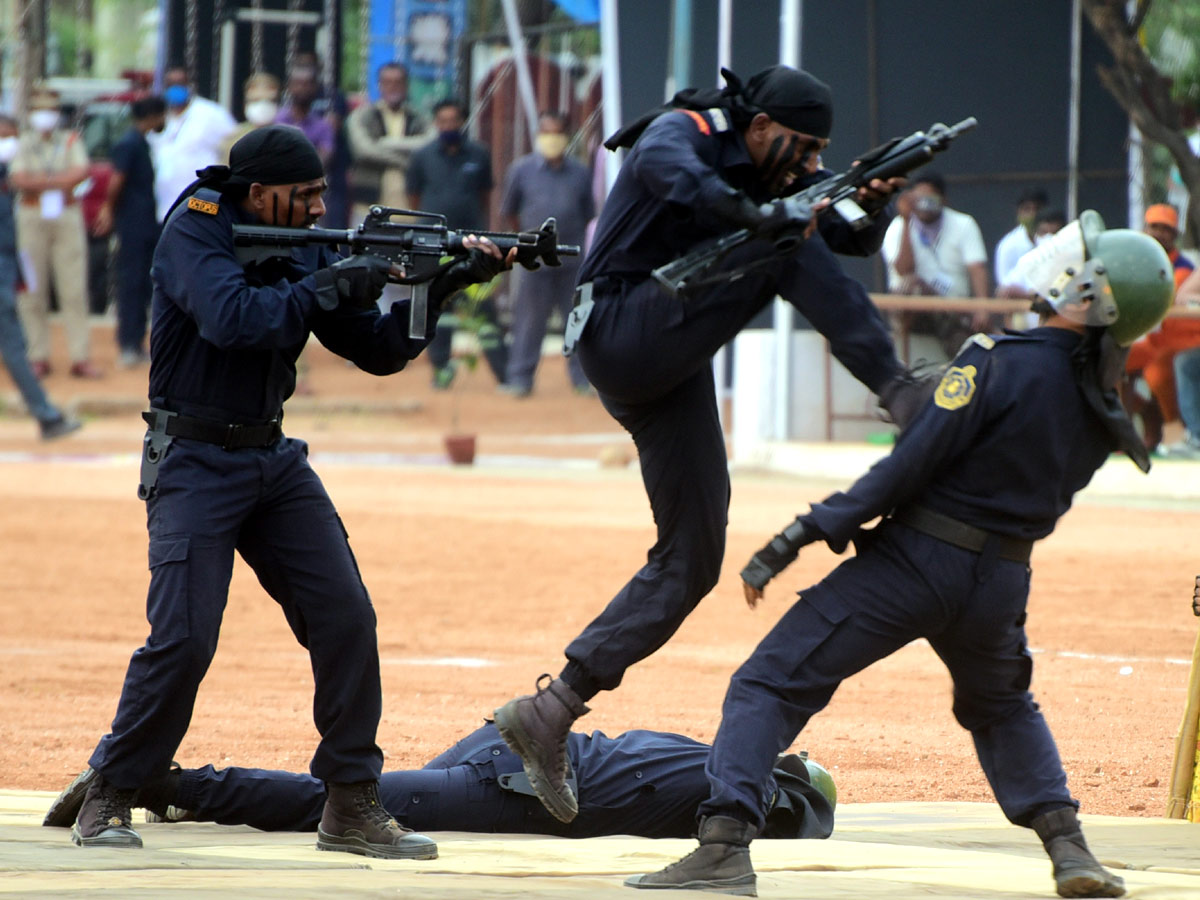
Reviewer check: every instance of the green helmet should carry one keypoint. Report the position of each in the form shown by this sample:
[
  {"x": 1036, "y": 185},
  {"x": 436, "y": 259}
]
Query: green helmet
[
  {"x": 1117, "y": 278},
  {"x": 822, "y": 781}
]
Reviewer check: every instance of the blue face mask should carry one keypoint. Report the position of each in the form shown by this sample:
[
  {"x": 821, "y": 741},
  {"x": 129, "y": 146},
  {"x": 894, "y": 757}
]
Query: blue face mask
[
  {"x": 450, "y": 138},
  {"x": 177, "y": 95}
]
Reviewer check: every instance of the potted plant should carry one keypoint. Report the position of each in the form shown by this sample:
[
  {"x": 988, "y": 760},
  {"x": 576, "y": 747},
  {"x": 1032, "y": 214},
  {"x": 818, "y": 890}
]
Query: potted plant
[{"x": 467, "y": 318}]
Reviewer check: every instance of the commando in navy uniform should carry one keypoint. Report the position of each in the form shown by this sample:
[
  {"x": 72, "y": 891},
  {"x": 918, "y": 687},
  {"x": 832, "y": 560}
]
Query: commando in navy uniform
[
  {"x": 219, "y": 476},
  {"x": 693, "y": 175},
  {"x": 1018, "y": 424}
]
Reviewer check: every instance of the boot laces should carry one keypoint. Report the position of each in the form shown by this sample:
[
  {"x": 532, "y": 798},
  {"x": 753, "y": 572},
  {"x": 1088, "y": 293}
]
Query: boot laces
[
  {"x": 366, "y": 802},
  {"x": 113, "y": 806}
]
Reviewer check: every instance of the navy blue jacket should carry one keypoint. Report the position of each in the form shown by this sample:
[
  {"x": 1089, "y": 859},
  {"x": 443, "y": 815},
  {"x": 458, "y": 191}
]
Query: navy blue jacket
[
  {"x": 224, "y": 338},
  {"x": 1004, "y": 444},
  {"x": 660, "y": 206}
]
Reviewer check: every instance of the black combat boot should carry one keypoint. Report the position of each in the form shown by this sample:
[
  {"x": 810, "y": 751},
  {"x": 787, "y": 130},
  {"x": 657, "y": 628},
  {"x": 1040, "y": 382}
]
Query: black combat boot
[
  {"x": 158, "y": 796},
  {"x": 535, "y": 727},
  {"x": 104, "y": 817},
  {"x": 354, "y": 821},
  {"x": 720, "y": 865},
  {"x": 1076, "y": 872},
  {"x": 65, "y": 809}
]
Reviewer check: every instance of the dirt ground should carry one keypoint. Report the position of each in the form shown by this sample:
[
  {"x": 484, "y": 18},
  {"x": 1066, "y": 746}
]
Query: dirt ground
[{"x": 481, "y": 575}]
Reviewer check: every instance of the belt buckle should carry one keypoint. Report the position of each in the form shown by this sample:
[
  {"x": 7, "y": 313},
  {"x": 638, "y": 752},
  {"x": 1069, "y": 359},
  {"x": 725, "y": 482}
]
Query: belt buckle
[{"x": 232, "y": 433}]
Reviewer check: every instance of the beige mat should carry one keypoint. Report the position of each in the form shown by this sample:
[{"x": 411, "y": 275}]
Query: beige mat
[{"x": 898, "y": 851}]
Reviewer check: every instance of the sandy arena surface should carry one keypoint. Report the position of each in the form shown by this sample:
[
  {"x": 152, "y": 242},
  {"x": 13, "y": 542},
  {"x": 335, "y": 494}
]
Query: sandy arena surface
[{"x": 481, "y": 575}]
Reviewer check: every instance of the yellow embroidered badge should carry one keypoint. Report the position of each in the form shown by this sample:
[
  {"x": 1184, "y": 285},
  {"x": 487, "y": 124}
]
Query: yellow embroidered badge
[
  {"x": 204, "y": 206},
  {"x": 956, "y": 389}
]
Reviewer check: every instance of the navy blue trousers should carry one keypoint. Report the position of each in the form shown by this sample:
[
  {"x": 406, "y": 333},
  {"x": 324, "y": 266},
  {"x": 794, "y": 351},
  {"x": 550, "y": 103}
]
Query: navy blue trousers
[
  {"x": 650, "y": 358},
  {"x": 269, "y": 506},
  {"x": 902, "y": 585},
  {"x": 135, "y": 253}
]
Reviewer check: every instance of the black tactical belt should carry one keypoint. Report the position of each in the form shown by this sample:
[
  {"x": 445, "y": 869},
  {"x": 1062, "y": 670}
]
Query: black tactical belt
[
  {"x": 960, "y": 534},
  {"x": 225, "y": 435}
]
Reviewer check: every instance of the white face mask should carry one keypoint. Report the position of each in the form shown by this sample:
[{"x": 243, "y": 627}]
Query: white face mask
[
  {"x": 261, "y": 112},
  {"x": 8, "y": 149},
  {"x": 43, "y": 120}
]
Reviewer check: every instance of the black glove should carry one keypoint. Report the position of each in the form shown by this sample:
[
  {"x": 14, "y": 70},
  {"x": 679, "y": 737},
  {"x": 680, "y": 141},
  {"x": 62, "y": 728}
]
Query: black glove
[
  {"x": 776, "y": 556},
  {"x": 768, "y": 220},
  {"x": 907, "y": 393},
  {"x": 356, "y": 281},
  {"x": 476, "y": 267}
]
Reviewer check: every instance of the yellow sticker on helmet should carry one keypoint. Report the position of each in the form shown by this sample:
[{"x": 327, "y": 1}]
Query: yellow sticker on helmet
[{"x": 956, "y": 389}]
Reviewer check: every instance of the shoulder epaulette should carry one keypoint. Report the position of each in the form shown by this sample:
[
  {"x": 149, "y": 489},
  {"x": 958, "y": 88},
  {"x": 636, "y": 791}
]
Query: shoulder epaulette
[
  {"x": 987, "y": 342},
  {"x": 205, "y": 200}
]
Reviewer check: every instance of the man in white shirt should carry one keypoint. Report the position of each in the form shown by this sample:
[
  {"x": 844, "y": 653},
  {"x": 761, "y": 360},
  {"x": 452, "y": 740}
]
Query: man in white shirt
[
  {"x": 933, "y": 250},
  {"x": 1021, "y": 239},
  {"x": 192, "y": 139}
]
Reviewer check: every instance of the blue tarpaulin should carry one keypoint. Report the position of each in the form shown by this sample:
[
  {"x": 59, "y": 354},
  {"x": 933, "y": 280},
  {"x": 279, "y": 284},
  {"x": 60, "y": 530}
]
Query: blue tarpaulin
[{"x": 586, "y": 11}]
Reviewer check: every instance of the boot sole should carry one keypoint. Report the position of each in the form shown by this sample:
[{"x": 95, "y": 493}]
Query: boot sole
[
  {"x": 379, "y": 851},
  {"x": 508, "y": 723},
  {"x": 65, "y": 809},
  {"x": 1091, "y": 885},
  {"x": 110, "y": 837},
  {"x": 742, "y": 886}
]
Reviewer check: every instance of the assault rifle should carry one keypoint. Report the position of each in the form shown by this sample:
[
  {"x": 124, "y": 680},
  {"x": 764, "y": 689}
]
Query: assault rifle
[
  {"x": 897, "y": 157},
  {"x": 417, "y": 247}
]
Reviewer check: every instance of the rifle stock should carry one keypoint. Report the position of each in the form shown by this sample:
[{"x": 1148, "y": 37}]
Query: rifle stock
[
  {"x": 894, "y": 159},
  {"x": 417, "y": 247}
]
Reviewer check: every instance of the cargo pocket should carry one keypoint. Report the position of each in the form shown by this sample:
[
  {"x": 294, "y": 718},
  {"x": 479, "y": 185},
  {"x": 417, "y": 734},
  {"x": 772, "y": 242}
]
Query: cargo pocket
[{"x": 168, "y": 603}]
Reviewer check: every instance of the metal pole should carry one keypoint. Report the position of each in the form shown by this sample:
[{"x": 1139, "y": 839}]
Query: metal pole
[
  {"x": 681, "y": 46},
  {"x": 610, "y": 81},
  {"x": 724, "y": 60},
  {"x": 524, "y": 82},
  {"x": 1073, "y": 121},
  {"x": 790, "y": 23}
]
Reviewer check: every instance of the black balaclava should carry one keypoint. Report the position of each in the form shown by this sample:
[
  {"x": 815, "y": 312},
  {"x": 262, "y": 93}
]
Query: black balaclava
[
  {"x": 792, "y": 97},
  {"x": 274, "y": 154}
]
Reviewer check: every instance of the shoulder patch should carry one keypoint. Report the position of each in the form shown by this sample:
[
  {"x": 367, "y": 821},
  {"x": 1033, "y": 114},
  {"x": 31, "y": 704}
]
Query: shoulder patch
[
  {"x": 720, "y": 121},
  {"x": 987, "y": 342},
  {"x": 956, "y": 388},
  {"x": 204, "y": 206}
]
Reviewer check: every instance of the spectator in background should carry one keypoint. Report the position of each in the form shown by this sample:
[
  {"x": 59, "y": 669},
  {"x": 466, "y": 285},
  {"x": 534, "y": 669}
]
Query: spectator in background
[
  {"x": 129, "y": 209},
  {"x": 1187, "y": 378},
  {"x": 193, "y": 138},
  {"x": 933, "y": 250},
  {"x": 51, "y": 421},
  {"x": 1152, "y": 359},
  {"x": 302, "y": 90},
  {"x": 1048, "y": 222},
  {"x": 51, "y": 163},
  {"x": 383, "y": 136},
  {"x": 331, "y": 103},
  {"x": 260, "y": 105},
  {"x": 452, "y": 176},
  {"x": 1020, "y": 240},
  {"x": 542, "y": 184}
]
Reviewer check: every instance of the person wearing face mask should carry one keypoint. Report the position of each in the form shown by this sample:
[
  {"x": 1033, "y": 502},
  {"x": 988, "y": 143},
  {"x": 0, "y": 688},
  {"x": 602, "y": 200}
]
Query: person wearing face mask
[
  {"x": 1021, "y": 239},
  {"x": 715, "y": 162},
  {"x": 933, "y": 250},
  {"x": 192, "y": 139},
  {"x": 452, "y": 176},
  {"x": 302, "y": 90},
  {"x": 383, "y": 137},
  {"x": 129, "y": 210},
  {"x": 218, "y": 476},
  {"x": 260, "y": 106},
  {"x": 51, "y": 163},
  {"x": 545, "y": 183},
  {"x": 51, "y": 420}
]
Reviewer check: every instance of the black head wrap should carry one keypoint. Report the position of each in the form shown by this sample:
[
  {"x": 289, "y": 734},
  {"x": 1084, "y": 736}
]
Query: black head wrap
[
  {"x": 791, "y": 97},
  {"x": 274, "y": 154}
]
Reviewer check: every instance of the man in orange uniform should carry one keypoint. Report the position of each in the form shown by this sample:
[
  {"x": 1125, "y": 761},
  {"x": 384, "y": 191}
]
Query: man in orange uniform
[{"x": 1153, "y": 356}]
